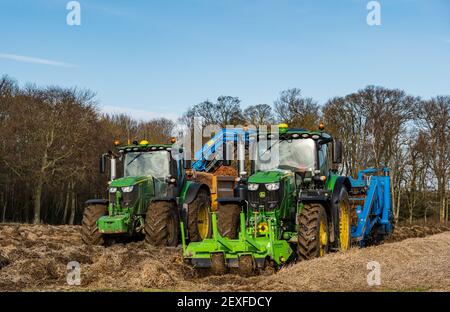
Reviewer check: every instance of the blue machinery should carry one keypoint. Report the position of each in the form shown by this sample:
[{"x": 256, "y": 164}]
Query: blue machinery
[
  {"x": 213, "y": 153},
  {"x": 373, "y": 205}
]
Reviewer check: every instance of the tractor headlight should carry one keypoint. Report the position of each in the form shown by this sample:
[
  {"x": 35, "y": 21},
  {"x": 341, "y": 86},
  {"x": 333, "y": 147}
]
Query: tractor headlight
[
  {"x": 272, "y": 186},
  {"x": 127, "y": 189},
  {"x": 113, "y": 189},
  {"x": 253, "y": 186}
]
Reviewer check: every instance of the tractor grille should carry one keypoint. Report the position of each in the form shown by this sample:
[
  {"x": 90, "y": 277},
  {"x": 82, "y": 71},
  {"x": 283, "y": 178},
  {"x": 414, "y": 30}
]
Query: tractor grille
[
  {"x": 127, "y": 200},
  {"x": 269, "y": 200}
]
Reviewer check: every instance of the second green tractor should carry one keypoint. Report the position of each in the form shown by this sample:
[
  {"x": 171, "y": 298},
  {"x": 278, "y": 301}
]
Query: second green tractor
[{"x": 293, "y": 205}]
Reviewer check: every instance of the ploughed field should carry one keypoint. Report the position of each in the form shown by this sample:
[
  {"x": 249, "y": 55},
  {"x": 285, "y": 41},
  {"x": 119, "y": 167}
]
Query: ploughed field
[{"x": 35, "y": 258}]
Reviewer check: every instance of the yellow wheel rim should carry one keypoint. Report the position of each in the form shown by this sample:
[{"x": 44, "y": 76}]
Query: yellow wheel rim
[
  {"x": 344, "y": 226},
  {"x": 203, "y": 222},
  {"x": 323, "y": 237}
]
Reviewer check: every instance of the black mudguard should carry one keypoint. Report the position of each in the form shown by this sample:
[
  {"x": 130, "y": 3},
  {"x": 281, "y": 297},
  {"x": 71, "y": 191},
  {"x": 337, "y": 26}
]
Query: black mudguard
[{"x": 193, "y": 190}]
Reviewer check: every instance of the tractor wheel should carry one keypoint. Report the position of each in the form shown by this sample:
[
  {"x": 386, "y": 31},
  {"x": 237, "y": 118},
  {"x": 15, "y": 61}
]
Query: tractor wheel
[
  {"x": 161, "y": 224},
  {"x": 313, "y": 233},
  {"x": 344, "y": 215},
  {"x": 199, "y": 217},
  {"x": 89, "y": 230},
  {"x": 228, "y": 220}
]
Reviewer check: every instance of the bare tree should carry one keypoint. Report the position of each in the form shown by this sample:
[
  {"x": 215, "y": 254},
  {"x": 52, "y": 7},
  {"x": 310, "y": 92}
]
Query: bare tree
[
  {"x": 260, "y": 114},
  {"x": 297, "y": 111},
  {"x": 226, "y": 111},
  {"x": 434, "y": 120}
]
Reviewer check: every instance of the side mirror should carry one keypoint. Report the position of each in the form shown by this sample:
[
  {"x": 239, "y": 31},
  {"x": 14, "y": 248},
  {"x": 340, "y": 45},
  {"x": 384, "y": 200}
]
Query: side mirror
[
  {"x": 102, "y": 163},
  {"x": 337, "y": 152}
]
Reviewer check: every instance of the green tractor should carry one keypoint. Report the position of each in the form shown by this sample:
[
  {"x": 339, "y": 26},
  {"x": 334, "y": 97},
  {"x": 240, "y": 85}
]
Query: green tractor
[
  {"x": 149, "y": 200},
  {"x": 294, "y": 206}
]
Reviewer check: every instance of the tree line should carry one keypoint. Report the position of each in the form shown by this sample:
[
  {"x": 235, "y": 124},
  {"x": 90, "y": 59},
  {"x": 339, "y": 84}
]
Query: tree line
[
  {"x": 51, "y": 139},
  {"x": 50, "y": 142}
]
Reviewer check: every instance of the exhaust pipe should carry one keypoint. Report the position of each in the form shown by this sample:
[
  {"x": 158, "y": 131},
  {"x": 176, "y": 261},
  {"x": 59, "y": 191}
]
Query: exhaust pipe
[
  {"x": 241, "y": 155},
  {"x": 113, "y": 168}
]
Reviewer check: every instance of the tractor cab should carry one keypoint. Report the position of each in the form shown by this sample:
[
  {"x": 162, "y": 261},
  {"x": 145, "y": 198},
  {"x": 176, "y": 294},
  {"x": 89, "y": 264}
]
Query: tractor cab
[
  {"x": 288, "y": 167},
  {"x": 307, "y": 153}
]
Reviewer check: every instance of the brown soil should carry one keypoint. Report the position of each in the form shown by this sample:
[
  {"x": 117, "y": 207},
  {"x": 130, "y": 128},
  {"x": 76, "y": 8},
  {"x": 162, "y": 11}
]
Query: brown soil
[
  {"x": 226, "y": 171},
  {"x": 38, "y": 256},
  {"x": 203, "y": 177},
  {"x": 206, "y": 178}
]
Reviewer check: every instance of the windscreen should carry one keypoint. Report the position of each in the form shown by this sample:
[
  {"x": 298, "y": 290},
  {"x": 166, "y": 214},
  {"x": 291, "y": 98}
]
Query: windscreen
[
  {"x": 155, "y": 164},
  {"x": 286, "y": 154}
]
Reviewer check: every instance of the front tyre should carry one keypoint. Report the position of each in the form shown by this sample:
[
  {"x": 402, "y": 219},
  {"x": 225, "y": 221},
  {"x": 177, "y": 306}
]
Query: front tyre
[
  {"x": 161, "y": 224},
  {"x": 313, "y": 232},
  {"x": 89, "y": 229}
]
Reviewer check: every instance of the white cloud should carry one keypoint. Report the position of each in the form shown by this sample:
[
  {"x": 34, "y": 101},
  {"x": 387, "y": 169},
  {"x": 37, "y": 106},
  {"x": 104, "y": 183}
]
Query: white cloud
[
  {"x": 34, "y": 60},
  {"x": 138, "y": 114}
]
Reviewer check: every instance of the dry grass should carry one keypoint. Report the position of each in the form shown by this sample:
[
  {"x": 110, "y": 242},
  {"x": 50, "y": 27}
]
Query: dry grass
[{"x": 38, "y": 256}]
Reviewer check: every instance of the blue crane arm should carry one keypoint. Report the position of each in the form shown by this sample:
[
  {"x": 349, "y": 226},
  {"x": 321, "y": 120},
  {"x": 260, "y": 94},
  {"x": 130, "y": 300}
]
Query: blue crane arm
[{"x": 207, "y": 158}]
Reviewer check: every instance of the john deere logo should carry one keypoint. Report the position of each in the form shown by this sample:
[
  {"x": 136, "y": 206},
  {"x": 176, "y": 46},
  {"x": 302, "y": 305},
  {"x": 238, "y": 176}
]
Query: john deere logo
[{"x": 262, "y": 194}]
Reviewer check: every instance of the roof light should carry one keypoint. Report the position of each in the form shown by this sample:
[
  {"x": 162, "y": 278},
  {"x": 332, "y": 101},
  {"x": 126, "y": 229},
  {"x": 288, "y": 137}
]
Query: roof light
[{"x": 283, "y": 128}]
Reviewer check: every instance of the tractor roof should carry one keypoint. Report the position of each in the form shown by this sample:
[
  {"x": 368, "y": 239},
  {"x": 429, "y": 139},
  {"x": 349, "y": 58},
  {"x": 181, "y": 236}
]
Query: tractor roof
[
  {"x": 300, "y": 133},
  {"x": 145, "y": 148}
]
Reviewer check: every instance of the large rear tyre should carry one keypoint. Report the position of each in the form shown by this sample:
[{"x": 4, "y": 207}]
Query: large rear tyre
[
  {"x": 313, "y": 232},
  {"x": 344, "y": 215},
  {"x": 161, "y": 224},
  {"x": 199, "y": 217},
  {"x": 89, "y": 229},
  {"x": 228, "y": 220}
]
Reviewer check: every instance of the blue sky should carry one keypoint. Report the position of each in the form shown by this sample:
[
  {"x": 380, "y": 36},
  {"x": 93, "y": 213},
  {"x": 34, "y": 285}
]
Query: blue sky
[{"x": 156, "y": 58}]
